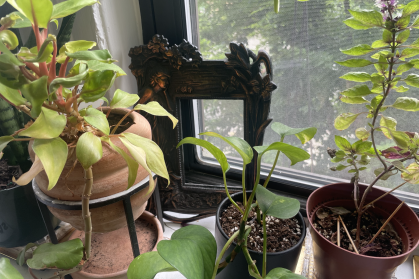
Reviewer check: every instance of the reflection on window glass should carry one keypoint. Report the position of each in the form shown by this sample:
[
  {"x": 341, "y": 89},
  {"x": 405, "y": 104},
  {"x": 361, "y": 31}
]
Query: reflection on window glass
[{"x": 303, "y": 41}]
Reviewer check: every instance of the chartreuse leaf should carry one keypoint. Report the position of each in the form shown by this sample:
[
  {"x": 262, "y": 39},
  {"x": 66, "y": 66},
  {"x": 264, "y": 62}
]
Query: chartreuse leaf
[
  {"x": 412, "y": 80},
  {"x": 303, "y": 134},
  {"x": 400, "y": 138},
  {"x": 357, "y": 91},
  {"x": 154, "y": 108},
  {"x": 147, "y": 265},
  {"x": 415, "y": 23},
  {"x": 197, "y": 247},
  {"x": 97, "y": 119},
  {"x": 48, "y": 125},
  {"x": 4, "y": 141},
  {"x": 69, "y": 7},
  {"x": 343, "y": 121},
  {"x": 390, "y": 125},
  {"x": 215, "y": 151},
  {"x": 39, "y": 10},
  {"x": 10, "y": 19},
  {"x": 11, "y": 58},
  {"x": 401, "y": 89},
  {"x": 282, "y": 273},
  {"x": 343, "y": 143},
  {"x": 2, "y": 2},
  {"x": 368, "y": 17},
  {"x": 403, "y": 36},
  {"x": 412, "y": 176},
  {"x": 72, "y": 47},
  {"x": 9, "y": 38},
  {"x": 358, "y": 50},
  {"x": 387, "y": 36},
  {"x": 53, "y": 155},
  {"x": 403, "y": 22},
  {"x": 361, "y": 146},
  {"x": 409, "y": 52},
  {"x": 357, "y": 76},
  {"x": 154, "y": 155},
  {"x": 353, "y": 100},
  {"x": 122, "y": 99},
  {"x": 97, "y": 84},
  {"x": 293, "y": 153},
  {"x": 276, "y": 206},
  {"x": 21, "y": 20},
  {"x": 89, "y": 150},
  {"x": 139, "y": 155},
  {"x": 36, "y": 92},
  {"x": 21, "y": 260},
  {"x": 362, "y": 134},
  {"x": 406, "y": 103},
  {"x": 355, "y": 63},
  {"x": 132, "y": 164},
  {"x": 7, "y": 271},
  {"x": 404, "y": 67},
  {"x": 67, "y": 82},
  {"x": 379, "y": 43},
  {"x": 240, "y": 145},
  {"x": 356, "y": 24},
  {"x": 12, "y": 95},
  {"x": 95, "y": 65},
  {"x": 45, "y": 50},
  {"x": 410, "y": 8},
  {"x": 102, "y": 55},
  {"x": 66, "y": 255},
  {"x": 382, "y": 64}
]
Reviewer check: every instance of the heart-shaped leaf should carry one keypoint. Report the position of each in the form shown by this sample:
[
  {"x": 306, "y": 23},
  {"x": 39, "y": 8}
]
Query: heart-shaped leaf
[
  {"x": 122, "y": 99},
  {"x": 97, "y": 119},
  {"x": 67, "y": 82},
  {"x": 198, "y": 249},
  {"x": 343, "y": 121},
  {"x": 95, "y": 65},
  {"x": 282, "y": 273},
  {"x": 36, "y": 92},
  {"x": 303, "y": 134},
  {"x": 147, "y": 265},
  {"x": 72, "y": 47},
  {"x": 21, "y": 260},
  {"x": 390, "y": 125},
  {"x": 156, "y": 109},
  {"x": 97, "y": 84},
  {"x": 12, "y": 95},
  {"x": 53, "y": 155},
  {"x": 88, "y": 149},
  {"x": 240, "y": 145},
  {"x": 69, "y": 7},
  {"x": 343, "y": 143},
  {"x": 102, "y": 55},
  {"x": 406, "y": 103},
  {"x": 45, "y": 51},
  {"x": 65, "y": 255},
  {"x": 293, "y": 153},
  {"x": 7, "y": 271},
  {"x": 276, "y": 206},
  {"x": 48, "y": 125},
  {"x": 39, "y": 10}
]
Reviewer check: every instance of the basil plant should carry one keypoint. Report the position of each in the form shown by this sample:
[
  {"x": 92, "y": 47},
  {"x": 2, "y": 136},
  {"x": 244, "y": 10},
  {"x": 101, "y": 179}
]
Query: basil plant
[
  {"x": 30, "y": 82},
  {"x": 192, "y": 250},
  {"x": 392, "y": 58}
]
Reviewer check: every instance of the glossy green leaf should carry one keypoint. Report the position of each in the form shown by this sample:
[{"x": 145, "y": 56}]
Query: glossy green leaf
[
  {"x": 67, "y": 82},
  {"x": 122, "y": 99},
  {"x": 409, "y": 52},
  {"x": 198, "y": 249},
  {"x": 215, "y": 151},
  {"x": 356, "y": 24},
  {"x": 7, "y": 271},
  {"x": 53, "y": 155},
  {"x": 357, "y": 76},
  {"x": 403, "y": 22},
  {"x": 11, "y": 58},
  {"x": 139, "y": 155},
  {"x": 403, "y": 68},
  {"x": 95, "y": 65},
  {"x": 10, "y": 19},
  {"x": 343, "y": 143},
  {"x": 154, "y": 108},
  {"x": 36, "y": 92},
  {"x": 379, "y": 43},
  {"x": 385, "y": 176},
  {"x": 357, "y": 91},
  {"x": 401, "y": 89},
  {"x": 21, "y": 260},
  {"x": 358, "y": 50},
  {"x": 410, "y": 8},
  {"x": 303, "y": 134},
  {"x": 147, "y": 265},
  {"x": 368, "y": 17},
  {"x": 69, "y": 7},
  {"x": 48, "y": 125},
  {"x": 100, "y": 55},
  {"x": 390, "y": 123},
  {"x": 400, "y": 138},
  {"x": 45, "y": 51},
  {"x": 412, "y": 176},
  {"x": 39, "y": 10},
  {"x": 343, "y": 121},
  {"x": 376, "y": 78},
  {"x": 89, "y": 150},
  {"x": 72, "y": 47},
  {"x": 282, "y": 273},
  {"x": 97, "y": 119},
  {"x": 22, "y": 21},
  {"x": 4, "y": 141},
  {"x": 406, "y": 103},
  {"x": 65, "y": 255},
  {"x": 9, "y": 39},
  {"x": 154, "y": 155},
  {"x": 403, "y": 36},
  {"x": 293, "y": 153},
  {"x": 353, "y": 100},
  {"x": 97, "y": 84},
  {"x": 12, "y": 95},
  {"x": 376, "y": 101},
  {"x": 131, "y": 163},
  {"x": 415, "y": 23},
  {"x": 385, "y": 53},
  {"x": 355, "y": 63},
  {"x": 412, "y": 80},
  {"x": 361, "y": 146},
  {"x": 387, "y": 36},
  {"x": 382, "y": 64},
  {"x": 276, "y": 206},
  {"x": 362, "y": 134},
  {"x": 240, "y": 145}
]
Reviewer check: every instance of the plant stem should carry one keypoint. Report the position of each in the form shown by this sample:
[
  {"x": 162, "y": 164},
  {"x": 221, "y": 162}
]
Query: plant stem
[
  {"x": 244, "y": 186},
  {"x": 120, "y": 121},
  {"x": 88, "y": 177},
  {"x": 382, "y": 196},
  {"x": 249, "y": 259},
  {"x": 63, "y": 68},
  {"x": 272, "y": 170},
  {"x": 258, "y": 218},
  {"x": 229, "y": 197},
  {"x": 52, "y": 71},
  {"x": 349, "y": 236},
  {"x": 265, "y": 244},
  {"x": 338, "y": 233},
  {"x": 252, "y": 196}
]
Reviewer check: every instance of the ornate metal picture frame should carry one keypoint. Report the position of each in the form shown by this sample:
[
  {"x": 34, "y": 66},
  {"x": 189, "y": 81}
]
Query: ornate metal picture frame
[{"x": 175, "y": 75}]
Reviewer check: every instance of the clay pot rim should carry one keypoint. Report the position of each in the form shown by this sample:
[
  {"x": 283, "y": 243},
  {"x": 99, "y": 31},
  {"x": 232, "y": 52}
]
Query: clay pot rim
[
  {"x": 353, "y": 253},
  {"x": 296, "y": 246},
  {"x": 147, "y": 216}
]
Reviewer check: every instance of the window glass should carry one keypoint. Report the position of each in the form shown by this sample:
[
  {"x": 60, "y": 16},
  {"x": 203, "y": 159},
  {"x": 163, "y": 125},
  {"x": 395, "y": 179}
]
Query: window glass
[{"x": 303, "y": 40}]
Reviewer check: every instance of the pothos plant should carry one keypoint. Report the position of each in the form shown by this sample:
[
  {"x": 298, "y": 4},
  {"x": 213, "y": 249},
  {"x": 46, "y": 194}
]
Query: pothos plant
[
  {"x": 59, "y": 129},
  {"x": 192, "y": 249},
  {"x": 391, "y": 59}
]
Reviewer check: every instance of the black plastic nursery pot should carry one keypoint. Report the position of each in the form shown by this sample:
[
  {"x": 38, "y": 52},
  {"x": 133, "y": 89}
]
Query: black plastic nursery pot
[
  {"x": 238, "y": 268},
  {"x": 20, "y": 219}
]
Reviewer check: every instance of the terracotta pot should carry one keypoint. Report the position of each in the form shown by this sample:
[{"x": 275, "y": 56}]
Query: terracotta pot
[
  {"x": 239, "y": 268},
  {"x": 117, "y": 249},
  {"x": 333, "y": 262}
]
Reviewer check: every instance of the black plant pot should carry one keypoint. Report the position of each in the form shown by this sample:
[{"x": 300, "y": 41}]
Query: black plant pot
[
  {"x": 238, "y": 268},
  {"x": 20, "y": 219}
]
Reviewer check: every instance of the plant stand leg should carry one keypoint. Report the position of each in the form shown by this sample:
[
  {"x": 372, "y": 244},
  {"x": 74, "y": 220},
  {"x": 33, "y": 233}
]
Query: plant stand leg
[
  {"x": 157, "y": 202},
  {"x": 47, "y": 221},
  {"x": 131, "y": 226}
]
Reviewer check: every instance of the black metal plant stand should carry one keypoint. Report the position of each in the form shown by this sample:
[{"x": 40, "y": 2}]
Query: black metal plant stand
[{"x": 44, "y": 201}]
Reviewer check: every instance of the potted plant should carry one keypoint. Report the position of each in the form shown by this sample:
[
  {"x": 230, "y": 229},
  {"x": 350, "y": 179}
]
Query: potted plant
[
  {"x": 192, "y": 250},
  {"x": 63, "y": 138},
  {"x": 360, "y": 231}
]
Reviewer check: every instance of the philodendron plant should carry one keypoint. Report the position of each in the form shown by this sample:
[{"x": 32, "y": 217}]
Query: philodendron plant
[
  {"x": 192, "y": 250},
  {"x": 59, "y": 129},
  {"x": 391, "y": 60}
]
